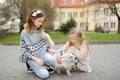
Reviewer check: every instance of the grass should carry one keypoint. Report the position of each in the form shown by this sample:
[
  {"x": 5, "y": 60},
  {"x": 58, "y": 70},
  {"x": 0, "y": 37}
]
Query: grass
[
  {"x": 59, "y": 37},
  {"x": 11, "y": 37},
  {"x": 62, "y": 38},
  {"x": 102, "y": 36}
]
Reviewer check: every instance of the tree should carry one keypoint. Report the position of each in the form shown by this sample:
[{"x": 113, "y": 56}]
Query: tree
[
  {"x": 114, "y": 9},
  {"x": 21, "y": 8},
  {"x": 4, "y": 14},
  {"x": 44, "y": 5},
  {"x": 65, "y": 27}
]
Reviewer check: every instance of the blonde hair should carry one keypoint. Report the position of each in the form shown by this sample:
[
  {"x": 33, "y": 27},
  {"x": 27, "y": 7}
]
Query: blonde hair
[
  {"x": 29, "y": 24},
  {"x": 80, "y": 37}
]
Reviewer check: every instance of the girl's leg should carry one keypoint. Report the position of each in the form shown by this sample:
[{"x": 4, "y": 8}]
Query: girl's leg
[
  {"x": 49, "y": 59},
  {"x": 40, "y": 71},
  {"x": 85, "y": 67},
  {"x": 27, "y": 66},
  {"x": 76, "y": 62}
]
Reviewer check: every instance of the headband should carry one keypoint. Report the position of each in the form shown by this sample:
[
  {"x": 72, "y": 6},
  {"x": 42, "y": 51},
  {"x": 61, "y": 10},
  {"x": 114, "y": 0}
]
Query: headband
[{"x": 34, "y": 14}]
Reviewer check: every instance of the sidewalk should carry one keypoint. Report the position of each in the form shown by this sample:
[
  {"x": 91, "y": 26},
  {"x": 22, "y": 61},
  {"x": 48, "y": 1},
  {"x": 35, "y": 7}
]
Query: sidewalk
[{"x": 104, "y": 61}]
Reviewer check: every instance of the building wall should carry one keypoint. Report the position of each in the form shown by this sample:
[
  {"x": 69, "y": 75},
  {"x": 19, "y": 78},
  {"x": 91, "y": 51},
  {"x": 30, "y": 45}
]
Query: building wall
[
  {"x": 63, "y": 15},
  {"x": 93, "y": 14},
  {"x": 103, "y": 17}
]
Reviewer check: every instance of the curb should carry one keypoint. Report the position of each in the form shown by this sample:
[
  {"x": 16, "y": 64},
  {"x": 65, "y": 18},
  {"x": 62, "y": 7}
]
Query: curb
[
  {"x": 89, "y": 42},
  {"x": 104, "y": 42}
]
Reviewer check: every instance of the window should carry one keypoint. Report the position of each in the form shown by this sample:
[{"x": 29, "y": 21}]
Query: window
[
  {"x": 81, "y": 25},
  {"x": 105, "y": 23},
  {"x": 73, "y": 1},
  {"x": 75, "y": 14},
  {"x": 113, "y": 12},
  {"x": 65, "y": 1},
  {"x": 106, "y": 11},
  {"x": 82, "y": 1},
  {"x": 69, "y": 14},
  {"x": 62, "y": 14},
  {"x": 113, "y": 25},
  {"x": 81, "y": 14}
]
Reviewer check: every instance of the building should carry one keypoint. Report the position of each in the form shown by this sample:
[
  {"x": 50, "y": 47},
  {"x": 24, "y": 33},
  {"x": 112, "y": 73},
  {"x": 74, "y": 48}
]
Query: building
[{"x": 88, "y": 14}]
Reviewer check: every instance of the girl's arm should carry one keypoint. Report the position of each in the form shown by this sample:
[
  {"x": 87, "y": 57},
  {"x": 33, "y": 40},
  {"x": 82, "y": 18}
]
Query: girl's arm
[
  {"x": 63, "y": 49},
  {"x": 51, "y": 51},
  {"x": 37, "y": 60},
  {"x": 82, "y": 52},
  {"x": 66, "y": 47}
]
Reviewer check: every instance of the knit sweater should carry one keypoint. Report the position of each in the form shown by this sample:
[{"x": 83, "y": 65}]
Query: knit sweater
[
  {"x": 33, "y": 44},
  {"x": 83, "y": 56},
  {"x": 82, "y": 53}
]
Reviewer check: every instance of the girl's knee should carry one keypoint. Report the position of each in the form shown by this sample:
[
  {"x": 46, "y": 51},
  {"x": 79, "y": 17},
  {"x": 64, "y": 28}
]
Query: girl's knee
[
  {"x": 49, "y": 59},
  {"x": 42, "y": 73},
  {"x": 52, "y": 60}
]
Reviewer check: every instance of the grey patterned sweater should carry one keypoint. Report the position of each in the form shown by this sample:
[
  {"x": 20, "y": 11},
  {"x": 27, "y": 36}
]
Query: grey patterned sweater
[{"x": 33, "y": 43}]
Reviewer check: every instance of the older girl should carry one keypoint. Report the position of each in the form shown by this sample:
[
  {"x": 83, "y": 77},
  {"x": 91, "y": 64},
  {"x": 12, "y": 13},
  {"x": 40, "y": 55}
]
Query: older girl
[{"x": 35, "y": 45}]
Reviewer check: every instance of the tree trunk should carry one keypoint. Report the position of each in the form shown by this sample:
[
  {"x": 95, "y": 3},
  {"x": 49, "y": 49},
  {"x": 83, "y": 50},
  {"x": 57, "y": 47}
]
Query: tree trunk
[
  {"x": 118, "y": 31},
  {"x": 22, "y": 22},
  {"x": 21, "y": 27}
]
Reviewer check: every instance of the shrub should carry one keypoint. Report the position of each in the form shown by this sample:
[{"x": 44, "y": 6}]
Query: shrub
[{"x": 65, "y": 27}]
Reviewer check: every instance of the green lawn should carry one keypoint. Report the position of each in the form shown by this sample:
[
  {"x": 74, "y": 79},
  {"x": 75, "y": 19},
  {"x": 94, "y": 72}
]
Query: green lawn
[
  {"x": 102, "y": 36},
  {"x": 62, "y": 38},
  {"x": 59, "y": 37},
  {"x": 11, "y": 37}
]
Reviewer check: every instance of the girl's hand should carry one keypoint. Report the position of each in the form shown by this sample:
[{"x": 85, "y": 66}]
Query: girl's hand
[
  {"x": 72, "y": 48},
  {"x": 66, "y": 47},
  {"x": 52, "y": 51},
  {"x": 59, "y": 58},
  {"x": 38, "y": 61}
]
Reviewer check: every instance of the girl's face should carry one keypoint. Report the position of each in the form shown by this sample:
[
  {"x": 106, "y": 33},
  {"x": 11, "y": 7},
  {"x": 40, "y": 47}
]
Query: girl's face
[
  {"x": 73, "y": 39},
  {"x": 38, "y": 21}
]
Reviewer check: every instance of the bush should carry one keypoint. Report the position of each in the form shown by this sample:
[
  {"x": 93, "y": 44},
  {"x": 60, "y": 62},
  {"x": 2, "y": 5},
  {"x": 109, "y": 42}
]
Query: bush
[{"x": 65, "y": 27}]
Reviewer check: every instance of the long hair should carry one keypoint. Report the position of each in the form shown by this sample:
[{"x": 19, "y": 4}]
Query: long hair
[
  {"x": 80, "y": 38},
  {"x": 29, "y": 24}
]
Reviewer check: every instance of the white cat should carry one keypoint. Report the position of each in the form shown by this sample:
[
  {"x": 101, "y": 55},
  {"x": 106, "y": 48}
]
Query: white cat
[{"x": 66, "y": 65}]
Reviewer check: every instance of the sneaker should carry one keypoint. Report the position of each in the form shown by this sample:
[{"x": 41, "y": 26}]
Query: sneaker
[
  {"x": 75, "y": 69},
  {"x": 50, "y": 70},
  {"x": 30, "y": 69}
]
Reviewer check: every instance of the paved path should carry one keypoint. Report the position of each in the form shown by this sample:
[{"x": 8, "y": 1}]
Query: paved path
[{"x": 104, "y": 61}]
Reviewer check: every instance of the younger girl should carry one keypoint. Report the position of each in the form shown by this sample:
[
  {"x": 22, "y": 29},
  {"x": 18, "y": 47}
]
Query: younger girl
[
  {"x": 35, "y": 45},
  {"x": 79, "y": 47}
]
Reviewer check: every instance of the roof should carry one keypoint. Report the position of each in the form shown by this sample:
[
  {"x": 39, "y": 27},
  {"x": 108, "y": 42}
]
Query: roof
[{"x": 78, "y": 3}]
